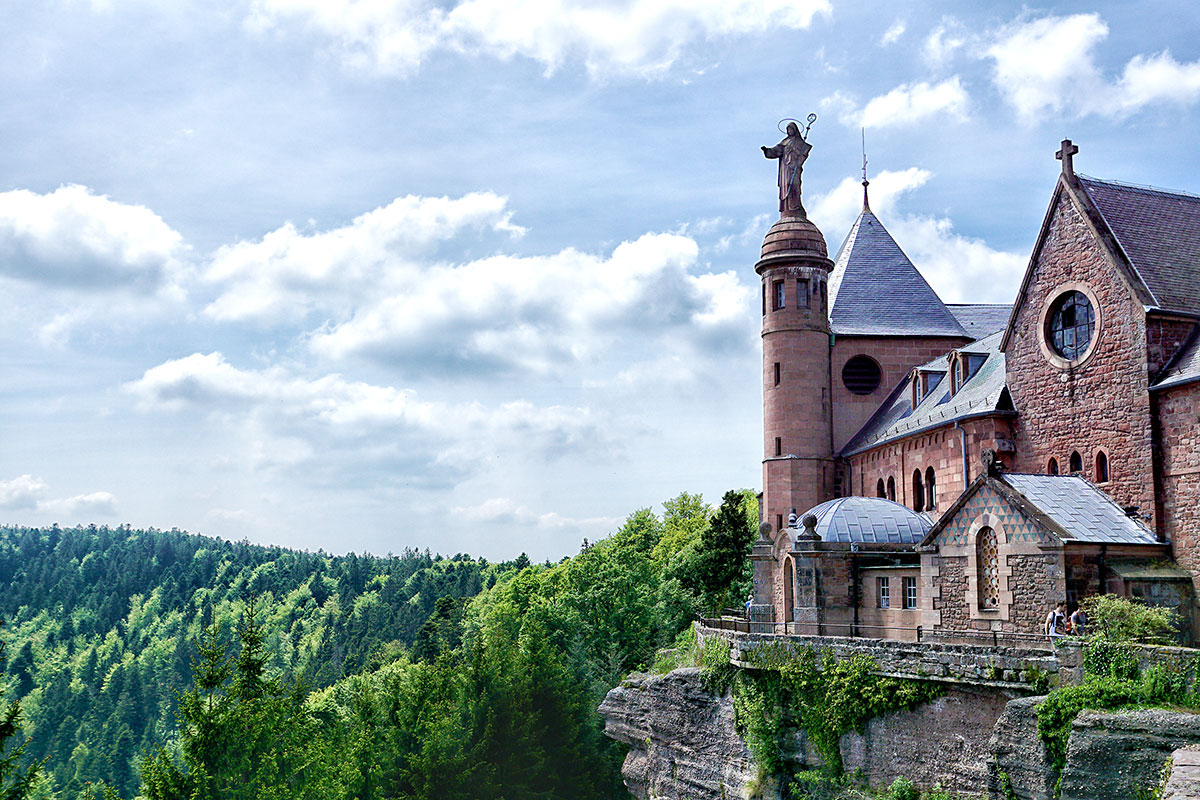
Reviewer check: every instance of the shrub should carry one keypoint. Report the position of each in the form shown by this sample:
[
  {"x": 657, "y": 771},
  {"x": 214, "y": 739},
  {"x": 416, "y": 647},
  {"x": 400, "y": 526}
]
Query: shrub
[
  {"x": 1120, "y": 619},
  {"x": 903, "y": 789}
]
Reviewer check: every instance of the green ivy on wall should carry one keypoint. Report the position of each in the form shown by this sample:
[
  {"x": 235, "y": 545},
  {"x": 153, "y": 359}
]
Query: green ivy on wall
[{"x": 813, "y": 689}]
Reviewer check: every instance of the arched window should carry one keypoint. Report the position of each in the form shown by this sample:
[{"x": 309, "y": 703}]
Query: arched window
[
  {"x": 1076, "y": 462},
  {"x": 918, "y": 495},
  {"x": 880, "y": 491},
  {"x": 891, "y": 489},
  {"x": 930, "y": 490},
  {"x": 1101, "y": 467},
  {"x": 987, "y": 559},
  {"x": 1052, "y": 467}
]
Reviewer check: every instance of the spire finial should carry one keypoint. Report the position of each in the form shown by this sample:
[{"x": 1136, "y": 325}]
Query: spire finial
[
  {"x": 1064, "y": 155},
  {"x": 865, "y": 182}
]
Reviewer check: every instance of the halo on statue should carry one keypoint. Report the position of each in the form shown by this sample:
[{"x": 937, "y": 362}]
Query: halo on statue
[{"x": 780, "y": 126}]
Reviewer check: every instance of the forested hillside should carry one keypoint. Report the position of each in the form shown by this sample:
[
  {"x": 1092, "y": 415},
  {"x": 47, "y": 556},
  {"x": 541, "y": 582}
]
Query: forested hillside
[
  {"x": 358, "y": 677},
  {"x": 102, "y": 626}
]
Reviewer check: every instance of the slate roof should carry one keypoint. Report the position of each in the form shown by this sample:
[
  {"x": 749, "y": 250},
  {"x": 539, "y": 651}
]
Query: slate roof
[
  {"x": 1159, "y": 231},
  {"x": 984, "y": 392},
  {"x": 872, "y": 520},
  {"x": 1184, "y": 369},
  {"x": 1080, "y": 508},
  {"x": 980, "y": 319},
  {"x": 874, "y": 290}
]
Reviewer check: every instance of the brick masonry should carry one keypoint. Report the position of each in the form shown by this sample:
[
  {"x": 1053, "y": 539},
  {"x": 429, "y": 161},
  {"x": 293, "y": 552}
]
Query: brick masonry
[
  {"x": 1102, "y": 403},
  {"x": 941, "y": 449},
  {"x": 896, "y": 356},
  {"x": 1179, "y": 474}
]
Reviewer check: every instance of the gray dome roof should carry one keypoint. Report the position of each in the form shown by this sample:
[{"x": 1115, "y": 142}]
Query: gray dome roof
[{"x": 869, "y": 519}]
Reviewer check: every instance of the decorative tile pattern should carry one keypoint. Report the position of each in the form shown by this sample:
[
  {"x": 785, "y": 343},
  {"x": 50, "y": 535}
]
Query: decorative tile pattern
[{"x": 1016, "y": 526}]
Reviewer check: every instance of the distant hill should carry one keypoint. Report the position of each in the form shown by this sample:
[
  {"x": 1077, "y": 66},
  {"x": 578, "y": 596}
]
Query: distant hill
[{"x": 102, "y": 625}]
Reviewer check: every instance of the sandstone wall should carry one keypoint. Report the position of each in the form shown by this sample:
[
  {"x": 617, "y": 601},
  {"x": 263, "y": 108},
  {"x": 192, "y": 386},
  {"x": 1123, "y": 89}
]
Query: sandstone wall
[
  {"x": 681, "y": 737},
  {"x": 1018, "y": 753},
  {"x": 1102, "y": 403},
  {"x": 1118, "y": 755},
  {"x": 945, "y": 742},
  {"x": 1184, "y": 782}
]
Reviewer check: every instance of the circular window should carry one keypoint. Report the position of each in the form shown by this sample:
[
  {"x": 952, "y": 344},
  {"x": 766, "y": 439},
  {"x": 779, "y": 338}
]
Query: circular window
[
  {"x": 1071, "y": 325},
  {"x": 861, "y": 375}
]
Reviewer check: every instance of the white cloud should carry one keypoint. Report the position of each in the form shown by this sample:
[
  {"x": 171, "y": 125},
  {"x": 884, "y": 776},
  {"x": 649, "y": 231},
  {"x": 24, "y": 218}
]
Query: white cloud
[
  {"x": 837, "y": 209},
  {"x": 502, "y": 510},
  {"x": 893, "y": 34},
  {"x": 27, "y": 493},
  {"x": 636, "y": 37},
  {"x": 943, "y": 42},
  {"x": 1155, "y": 79},
  {"x": 1049, "y": 65},
  {"x": 1042, "y": 64},
  {"x": 906, "y": 104},
  {"x": 23, "y": 491},
  {"x": 73, "y": 238},
  {"x": 287, "y": 274},
  {"x": 962, "y": 269},
  {"x": 541, "y": 313},
  {"x": 85, "y": 506},
  {"x": 310, "y": 419}
]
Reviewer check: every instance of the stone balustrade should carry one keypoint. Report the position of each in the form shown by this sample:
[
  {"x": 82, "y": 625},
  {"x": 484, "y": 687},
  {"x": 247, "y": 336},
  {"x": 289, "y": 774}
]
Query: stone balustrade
[{"x": 1013, "y": 668}]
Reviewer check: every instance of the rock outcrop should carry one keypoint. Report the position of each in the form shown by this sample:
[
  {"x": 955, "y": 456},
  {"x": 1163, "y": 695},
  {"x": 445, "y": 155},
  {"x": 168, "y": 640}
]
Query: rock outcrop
[
  {"x": 944, "y": 742},
  {"x": 1184, "y": 783},
  {"x": 681, "y": 737},
  {"x": 1017, "y": 753},
  {"x": 1119, "y": 754}
]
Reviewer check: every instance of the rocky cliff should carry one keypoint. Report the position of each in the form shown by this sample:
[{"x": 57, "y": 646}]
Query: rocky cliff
[
  {"x": 681, "y": 737},
  {"x": 683, "y": 743}
]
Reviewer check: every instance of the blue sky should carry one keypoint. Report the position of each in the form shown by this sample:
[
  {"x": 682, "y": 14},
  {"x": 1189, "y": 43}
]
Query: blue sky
[{"x": 478, "y": 276}]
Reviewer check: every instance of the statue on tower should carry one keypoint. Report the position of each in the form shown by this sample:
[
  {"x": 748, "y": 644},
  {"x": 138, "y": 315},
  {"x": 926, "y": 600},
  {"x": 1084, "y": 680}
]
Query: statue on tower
[{"x": 791, "y": 152}]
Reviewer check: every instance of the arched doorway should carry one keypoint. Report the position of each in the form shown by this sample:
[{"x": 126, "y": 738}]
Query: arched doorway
[{"x": 788, "y": 582}]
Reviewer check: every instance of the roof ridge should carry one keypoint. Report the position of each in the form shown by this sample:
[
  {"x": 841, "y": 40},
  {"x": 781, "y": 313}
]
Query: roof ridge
[{"x": 1141, "y": 187}]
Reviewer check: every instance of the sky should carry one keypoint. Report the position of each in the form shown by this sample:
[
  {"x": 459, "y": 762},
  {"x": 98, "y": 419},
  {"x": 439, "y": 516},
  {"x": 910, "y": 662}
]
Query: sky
[{"x": 477, "y": 275}]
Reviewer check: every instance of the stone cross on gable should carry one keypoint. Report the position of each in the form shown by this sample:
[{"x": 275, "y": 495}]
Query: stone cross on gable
[{"x": 1065, "y": 156}]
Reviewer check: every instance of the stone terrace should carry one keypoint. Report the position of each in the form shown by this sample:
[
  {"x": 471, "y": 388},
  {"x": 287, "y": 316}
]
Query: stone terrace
[{"x": 1014, "y": 668}]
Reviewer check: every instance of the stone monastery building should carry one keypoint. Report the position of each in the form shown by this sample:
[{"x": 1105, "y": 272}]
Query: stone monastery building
[{"x": 961, "y": 468}]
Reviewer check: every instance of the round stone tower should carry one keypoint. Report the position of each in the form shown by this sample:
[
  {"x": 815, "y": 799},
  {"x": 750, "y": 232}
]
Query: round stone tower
[{"x": 797, "y": 418}]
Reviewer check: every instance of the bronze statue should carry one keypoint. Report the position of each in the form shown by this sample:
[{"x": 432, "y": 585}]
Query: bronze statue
[{"x": 791, "y": 153}]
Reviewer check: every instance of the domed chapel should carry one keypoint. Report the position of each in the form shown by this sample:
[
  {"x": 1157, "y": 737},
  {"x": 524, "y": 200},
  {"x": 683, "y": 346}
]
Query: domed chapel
[{"x": 955, "y": 470}]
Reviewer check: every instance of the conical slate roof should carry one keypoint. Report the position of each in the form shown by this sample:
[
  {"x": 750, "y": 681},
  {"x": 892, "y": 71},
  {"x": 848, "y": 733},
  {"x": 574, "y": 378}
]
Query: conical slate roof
[{"x": 874, "y": 290}]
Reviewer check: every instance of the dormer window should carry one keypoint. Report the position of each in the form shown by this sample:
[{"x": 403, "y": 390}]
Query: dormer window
[
  {"x": 952, "y": 362},
  {"x": 930, "y": 381}
]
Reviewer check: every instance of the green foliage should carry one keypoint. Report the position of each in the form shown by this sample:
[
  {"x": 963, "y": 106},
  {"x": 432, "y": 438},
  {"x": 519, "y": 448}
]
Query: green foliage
[
  {"x": 16, "y": 783},
  {"x": 1007, "y": 792},
  {"x": 1120, "y": 619},
  {"x": 716, "y": 571},
  {"x": 1106, "y": 658},
  {"x": 826, "y": 695},
  {"x": 1059, "y": 709},
  {"x": 1113, "y": 676},
  {"x": 1037, "y": 678},
  {"x": 105, "y": 624},
  {"x": 243, "y": 735},
  {"x": 903, "y": 789}
]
